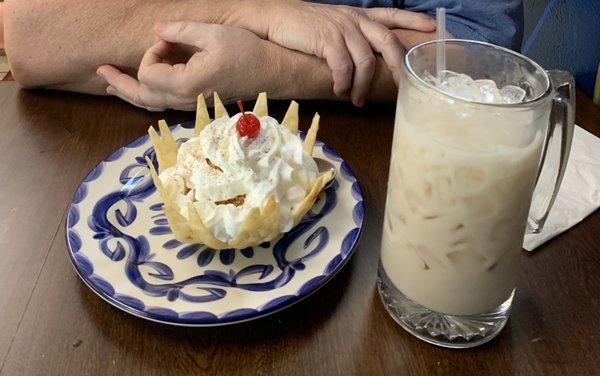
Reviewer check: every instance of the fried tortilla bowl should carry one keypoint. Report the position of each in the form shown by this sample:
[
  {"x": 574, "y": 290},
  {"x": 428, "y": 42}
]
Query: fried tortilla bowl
[{"x": 261, "y": 224}]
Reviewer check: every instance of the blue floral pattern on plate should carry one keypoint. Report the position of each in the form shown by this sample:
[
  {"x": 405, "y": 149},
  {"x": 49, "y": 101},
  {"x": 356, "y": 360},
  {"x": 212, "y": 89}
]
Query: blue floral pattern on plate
[{"x": 121, "y": 246}]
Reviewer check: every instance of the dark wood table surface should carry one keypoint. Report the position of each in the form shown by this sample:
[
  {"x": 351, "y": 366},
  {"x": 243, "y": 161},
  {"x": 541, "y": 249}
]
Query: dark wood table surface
[{"x": 52, "y": 324}]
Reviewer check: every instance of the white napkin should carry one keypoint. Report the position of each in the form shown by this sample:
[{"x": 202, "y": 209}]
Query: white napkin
[{"x": 579, "y": 193}]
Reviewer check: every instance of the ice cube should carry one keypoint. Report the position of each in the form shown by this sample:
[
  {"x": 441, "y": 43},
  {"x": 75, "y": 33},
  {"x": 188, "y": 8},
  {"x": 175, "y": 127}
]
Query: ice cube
[
  {"x": 459, "y": 85},
  {"x": 488, "y": 91},
  {"x": 482, "y": 90},
  {"x": 511, "y": 94},
  {"x": 456, "y": 80},
  {"x": 446, "y": 75}
]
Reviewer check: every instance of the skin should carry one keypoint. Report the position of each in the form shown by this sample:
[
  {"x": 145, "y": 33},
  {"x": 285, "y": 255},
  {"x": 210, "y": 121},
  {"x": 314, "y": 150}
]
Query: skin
[
  {"x": 160, "y": 85},
  {"x": 346, "y": 37},
  {"x": 46, "y": 53},
  {"x": 1, "y": 25}
]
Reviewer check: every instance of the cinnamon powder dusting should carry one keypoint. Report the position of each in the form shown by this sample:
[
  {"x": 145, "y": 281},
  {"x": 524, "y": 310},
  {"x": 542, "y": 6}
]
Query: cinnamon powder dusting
[
  {"x": 236, "y": 201},
  {"x": 212, "y": 165}
]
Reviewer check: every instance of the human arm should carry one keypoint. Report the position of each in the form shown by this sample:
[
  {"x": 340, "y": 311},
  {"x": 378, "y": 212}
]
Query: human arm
[
  {"x": 59, "y": 44},
  {"x": 1, "y": 26},
  {"x": 235, "y": 63}
]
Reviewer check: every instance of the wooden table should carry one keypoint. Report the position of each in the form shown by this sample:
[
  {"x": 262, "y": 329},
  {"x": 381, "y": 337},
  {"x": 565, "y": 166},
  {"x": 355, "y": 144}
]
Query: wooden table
[{"x": 52, "y": 324}]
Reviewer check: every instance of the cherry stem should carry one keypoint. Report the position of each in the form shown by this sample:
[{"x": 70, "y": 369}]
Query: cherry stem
[{"x": 240, "y": 104}]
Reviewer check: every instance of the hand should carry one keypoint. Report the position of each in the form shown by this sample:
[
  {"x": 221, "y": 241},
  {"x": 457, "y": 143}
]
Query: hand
[
  {"x": 229, "y": 60},
  {"x": 345, "y": 37}
]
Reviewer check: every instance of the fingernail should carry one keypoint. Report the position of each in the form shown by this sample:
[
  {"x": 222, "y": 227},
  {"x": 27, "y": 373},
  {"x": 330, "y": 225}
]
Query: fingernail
[
  {"x": 110, "y": 90},
  {"x": 99, "y": 72}
]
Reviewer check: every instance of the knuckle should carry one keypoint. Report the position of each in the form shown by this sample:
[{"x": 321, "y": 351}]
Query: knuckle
[
  {"x": 353, "y": 13},
  {"x": 327, "y": 41},
  {"x": 335, "y": 39},
  {"x": 391, "y": 12},
  {"x": 367, "y": 62},
  {"x": 331, "y": 30},
  {"x": 344, "y": 68},
  {"x": 421, "y": 19},
  {"x": 390, "y": 39},
  {"x": 331, "y": 38},
  {"x": 183, "y": 27}
]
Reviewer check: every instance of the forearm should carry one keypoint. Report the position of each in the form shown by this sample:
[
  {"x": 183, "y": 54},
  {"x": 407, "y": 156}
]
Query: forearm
[
  {"x": 61, "y": 43},
  {"x": 299, "y": 76},
  {"x": 1, "y": 25}
]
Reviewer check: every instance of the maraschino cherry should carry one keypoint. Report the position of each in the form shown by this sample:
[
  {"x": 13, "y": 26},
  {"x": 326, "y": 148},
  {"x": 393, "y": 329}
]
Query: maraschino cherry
[{"x": 248, "y": 124}]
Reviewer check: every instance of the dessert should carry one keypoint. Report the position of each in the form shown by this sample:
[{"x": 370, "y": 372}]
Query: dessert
[{"x": 241, "y": 180}]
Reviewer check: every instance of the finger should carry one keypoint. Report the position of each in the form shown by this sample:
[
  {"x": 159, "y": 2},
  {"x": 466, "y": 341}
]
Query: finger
[
  {"x": 156, "y": 74},
  {"x": 399, "y": 18},
  {"x": 190, "y": 33},
  {"x": 364, "y": 65},
  {"x": 107, "y": 71},
  {"x": 118, "y": 80},
  {"x": 156, "y": 54},
  {"x": 130, "y": 88},
  {"x": 340, "y": 62},
  {"x": 385, "y": 42}
]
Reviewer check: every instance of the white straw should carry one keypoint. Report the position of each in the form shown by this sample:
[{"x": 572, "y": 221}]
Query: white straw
[{"x": 440, "y": 19}]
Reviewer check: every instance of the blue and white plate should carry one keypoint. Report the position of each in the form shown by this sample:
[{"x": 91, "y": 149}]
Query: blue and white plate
[{"x": 122, "y": 247}]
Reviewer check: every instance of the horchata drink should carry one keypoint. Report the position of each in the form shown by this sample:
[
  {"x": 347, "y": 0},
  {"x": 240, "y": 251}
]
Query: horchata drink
[
  {"x": 465, "y": 159},
  {"x": 458, "y": 198}
]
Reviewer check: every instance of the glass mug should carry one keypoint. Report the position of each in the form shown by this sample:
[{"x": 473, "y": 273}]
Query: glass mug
[{"x": 461, "y": 181}]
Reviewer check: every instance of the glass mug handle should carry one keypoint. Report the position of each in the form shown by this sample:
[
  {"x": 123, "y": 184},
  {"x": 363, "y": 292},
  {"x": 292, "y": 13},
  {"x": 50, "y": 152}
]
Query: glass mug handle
[{"x": 555, "y": 153}]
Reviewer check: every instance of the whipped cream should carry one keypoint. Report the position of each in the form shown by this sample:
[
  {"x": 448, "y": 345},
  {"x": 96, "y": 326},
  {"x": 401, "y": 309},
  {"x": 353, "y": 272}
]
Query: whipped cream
[{"x": 225, "y": 175}]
